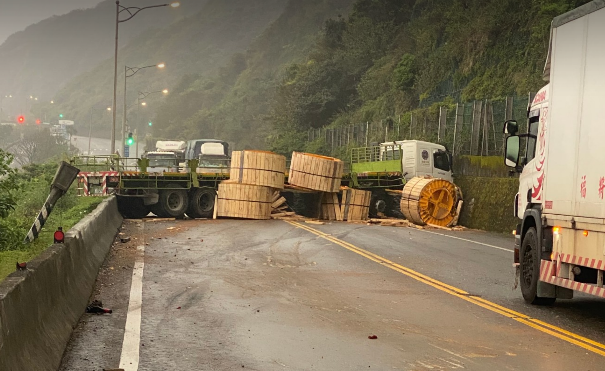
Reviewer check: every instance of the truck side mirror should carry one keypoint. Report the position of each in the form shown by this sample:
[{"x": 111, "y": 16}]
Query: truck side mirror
[
  {"x": 511, "y": 127},
  {"x": 512, "y": 151}
]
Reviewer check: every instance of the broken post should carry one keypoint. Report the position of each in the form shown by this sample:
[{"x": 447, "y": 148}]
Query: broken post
[{"x": 64, "y": 177}]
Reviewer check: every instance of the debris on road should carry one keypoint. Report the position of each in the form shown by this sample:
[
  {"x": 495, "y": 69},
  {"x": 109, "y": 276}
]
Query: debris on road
[
  {"x": 125, "y": 239},
  {"x": 96, "y": 307},
  {"x": 372, "y": 337},
  {"x": 314, "y": 222},
  {"x": 348, "y": 204}
]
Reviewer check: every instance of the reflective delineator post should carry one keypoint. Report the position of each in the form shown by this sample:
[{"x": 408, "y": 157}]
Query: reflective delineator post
[{"x": 65, "y": 176}]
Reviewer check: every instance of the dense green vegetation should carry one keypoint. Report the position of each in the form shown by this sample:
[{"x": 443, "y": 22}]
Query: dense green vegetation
[
  {"x": 259, "y": 74},
  {"x": 380, "y": 59},
  {"x": 195, "y": 46},
  {"x": 488, "y": 203},
  {"x": 22, "y": 194}
]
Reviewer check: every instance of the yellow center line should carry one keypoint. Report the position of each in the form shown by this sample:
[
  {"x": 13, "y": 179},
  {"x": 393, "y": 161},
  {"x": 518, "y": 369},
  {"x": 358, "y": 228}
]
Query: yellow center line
[{"x": 544, "y": 327}]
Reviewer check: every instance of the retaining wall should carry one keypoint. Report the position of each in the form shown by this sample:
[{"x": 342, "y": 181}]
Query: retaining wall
[
  {"x": 488, "y": 203},
  {"x": 39, "y": 307}
]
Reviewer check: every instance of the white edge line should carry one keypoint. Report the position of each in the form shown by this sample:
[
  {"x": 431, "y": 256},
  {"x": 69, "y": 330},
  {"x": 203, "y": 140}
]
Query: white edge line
[
  {"x": 464, "y": 239},
  {"x": 129, "y": 359}
]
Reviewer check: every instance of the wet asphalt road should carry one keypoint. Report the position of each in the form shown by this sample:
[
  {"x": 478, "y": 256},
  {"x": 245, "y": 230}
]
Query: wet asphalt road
[{"x": 269, "y": 295}]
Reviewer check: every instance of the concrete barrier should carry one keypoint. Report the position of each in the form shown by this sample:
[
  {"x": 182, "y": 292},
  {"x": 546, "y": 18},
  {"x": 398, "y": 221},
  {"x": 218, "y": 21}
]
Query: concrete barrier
[{"x": 40, "y": 307}]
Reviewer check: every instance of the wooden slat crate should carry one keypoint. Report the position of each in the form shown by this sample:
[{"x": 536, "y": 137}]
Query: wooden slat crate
[
  {"x": 330, "y": 207},
  {"x": 245, "y": 201},
  {"x": 355, "y": 204},
  {"x": 316, "y": 172},
  {"x": 258, "y": 168}
]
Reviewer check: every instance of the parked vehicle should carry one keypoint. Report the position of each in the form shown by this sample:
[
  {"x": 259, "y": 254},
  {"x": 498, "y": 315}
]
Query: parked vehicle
[
  {"x": 560, "y": 202},
  {"x": 167, "y": 157}
]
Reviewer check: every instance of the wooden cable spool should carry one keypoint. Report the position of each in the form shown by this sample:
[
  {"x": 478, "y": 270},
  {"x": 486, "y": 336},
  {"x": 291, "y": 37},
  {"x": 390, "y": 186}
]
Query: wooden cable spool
[
  {"x": 429, "y": 201},
  {"x": 245, "y": 201},
  {"x": 258, "y": 168},
  {"x": 316, "y": 172},
  {"x": 356, "y": 204},
  {"x": 353, "y": 205}
]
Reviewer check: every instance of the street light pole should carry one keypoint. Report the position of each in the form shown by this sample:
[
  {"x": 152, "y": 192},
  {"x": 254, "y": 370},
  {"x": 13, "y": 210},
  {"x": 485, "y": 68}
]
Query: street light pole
[
  {"x": 124, "y": 113},
  {"x": 132, "y": 11},
  {"x": 129, "y": 72},
  {"x": 115, "y": 82}
]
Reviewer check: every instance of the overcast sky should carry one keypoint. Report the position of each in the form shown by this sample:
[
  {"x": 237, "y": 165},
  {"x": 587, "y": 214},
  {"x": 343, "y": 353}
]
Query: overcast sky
[{"x": 16, "y": 15}]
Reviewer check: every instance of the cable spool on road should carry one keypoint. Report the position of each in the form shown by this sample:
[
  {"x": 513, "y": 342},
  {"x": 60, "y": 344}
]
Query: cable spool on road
[{"x": 429, "y": 201}]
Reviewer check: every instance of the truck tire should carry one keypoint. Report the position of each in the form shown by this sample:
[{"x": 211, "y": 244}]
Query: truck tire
[
  {"x": 530, "y": 269},
  {"x": 378, "y": 204},
  {"x": 132, "y": 207},
  {"x": 201, "y": 203},
  {"x": 173, "y": 202},
  {"x": 157, "y": 210}
]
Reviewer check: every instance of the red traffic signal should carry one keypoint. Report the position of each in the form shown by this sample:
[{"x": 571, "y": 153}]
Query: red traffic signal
[
  {"x": 38, "y": 122},
  {"x": 21, "y": 119}
]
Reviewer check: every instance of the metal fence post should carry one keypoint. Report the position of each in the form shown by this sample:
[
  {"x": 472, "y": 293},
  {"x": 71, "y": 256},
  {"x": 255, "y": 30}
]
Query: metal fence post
[{"x": 475, "y": 133}]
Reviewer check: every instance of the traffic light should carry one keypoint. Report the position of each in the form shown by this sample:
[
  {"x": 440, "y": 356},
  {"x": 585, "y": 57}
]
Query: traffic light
[
  {"x": 38, "y": 122},
  {"x": 60, "y": 115},
  {"x": 21, "y": 119},
  {"x": 150, "y": 123},
  {"x": 130, "y": 140}
]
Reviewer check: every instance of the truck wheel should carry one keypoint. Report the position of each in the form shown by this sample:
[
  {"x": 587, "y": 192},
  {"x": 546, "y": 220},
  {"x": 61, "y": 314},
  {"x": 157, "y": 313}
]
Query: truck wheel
[
  {"x": 157, "y": 210},
  {"x": 173, "y": 202},
  {"x": 378, "y": 204},
  {"x": 201, "y": 203},
  {"x": 132, "y": 207},
  {"x": 530, "y": 269}
]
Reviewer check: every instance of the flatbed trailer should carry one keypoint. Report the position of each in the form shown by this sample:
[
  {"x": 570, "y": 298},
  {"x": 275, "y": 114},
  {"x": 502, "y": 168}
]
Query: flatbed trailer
[{"x": 192, "y": 190}]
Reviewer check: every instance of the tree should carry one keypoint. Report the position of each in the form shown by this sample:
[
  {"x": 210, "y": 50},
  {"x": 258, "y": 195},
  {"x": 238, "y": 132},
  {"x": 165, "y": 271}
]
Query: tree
[
  {"x": 7, "y": 184},
  {"x": 37, "y": 146}
]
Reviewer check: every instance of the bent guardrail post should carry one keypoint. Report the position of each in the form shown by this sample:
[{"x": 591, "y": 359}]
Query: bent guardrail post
[{"x": 65, "y": 176}]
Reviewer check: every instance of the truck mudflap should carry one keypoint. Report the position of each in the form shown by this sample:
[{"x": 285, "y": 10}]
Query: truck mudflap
[
  {"x": 553, "y": 286},
  {"x": 517, "y": 273}
]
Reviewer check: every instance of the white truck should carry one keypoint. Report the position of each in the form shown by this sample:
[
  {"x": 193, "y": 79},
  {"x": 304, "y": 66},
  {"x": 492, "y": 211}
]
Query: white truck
[
  {"x": 420, "y": 158},
  {"x": 560, "y": 240},
  {"x": 166, "y": 157}
]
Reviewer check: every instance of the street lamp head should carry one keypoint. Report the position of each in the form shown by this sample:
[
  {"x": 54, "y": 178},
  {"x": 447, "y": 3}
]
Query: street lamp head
[
  {"x": 161, "y": 65},
  {"x": 31, "y": 97},
  {"x": 109, "y": 108},
  {"x": 175, "y": 4},
  {"x": 165, "y": 91},
  {"x": 52, "y": 102},
  {"x": 36, "y": 98},
  {"x": 144, "y": 104}
]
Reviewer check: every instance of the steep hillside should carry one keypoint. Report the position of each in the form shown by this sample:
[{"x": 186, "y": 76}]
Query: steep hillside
[
  {"x": 42, "y": 58},
  {"x": 233, "y": 104},
  {"x": 198, "y": 44},
  {"x": 390, "y": 56},
  {"x": 334, "y": 63}
]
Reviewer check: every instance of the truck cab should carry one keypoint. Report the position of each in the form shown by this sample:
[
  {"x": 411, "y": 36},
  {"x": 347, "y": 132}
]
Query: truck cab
[
  {"x": 560, "y": 202},
  {"x": 162, "y": 162},
  {"x": 411, "y": 158},
  {"x": 212, "y": 155},
  {"x": 167, "y": 156}
]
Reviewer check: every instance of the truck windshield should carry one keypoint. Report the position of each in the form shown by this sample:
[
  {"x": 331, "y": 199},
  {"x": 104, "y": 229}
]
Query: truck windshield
[{"x": 162, "y": 161}]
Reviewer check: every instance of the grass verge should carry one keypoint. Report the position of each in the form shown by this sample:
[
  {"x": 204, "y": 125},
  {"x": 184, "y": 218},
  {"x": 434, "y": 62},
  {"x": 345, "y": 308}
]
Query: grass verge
[{"x": 66, "y": 219}]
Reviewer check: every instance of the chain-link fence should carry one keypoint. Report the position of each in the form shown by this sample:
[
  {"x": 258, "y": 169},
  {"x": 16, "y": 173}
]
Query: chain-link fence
[{"x": 473, "y": 128}]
